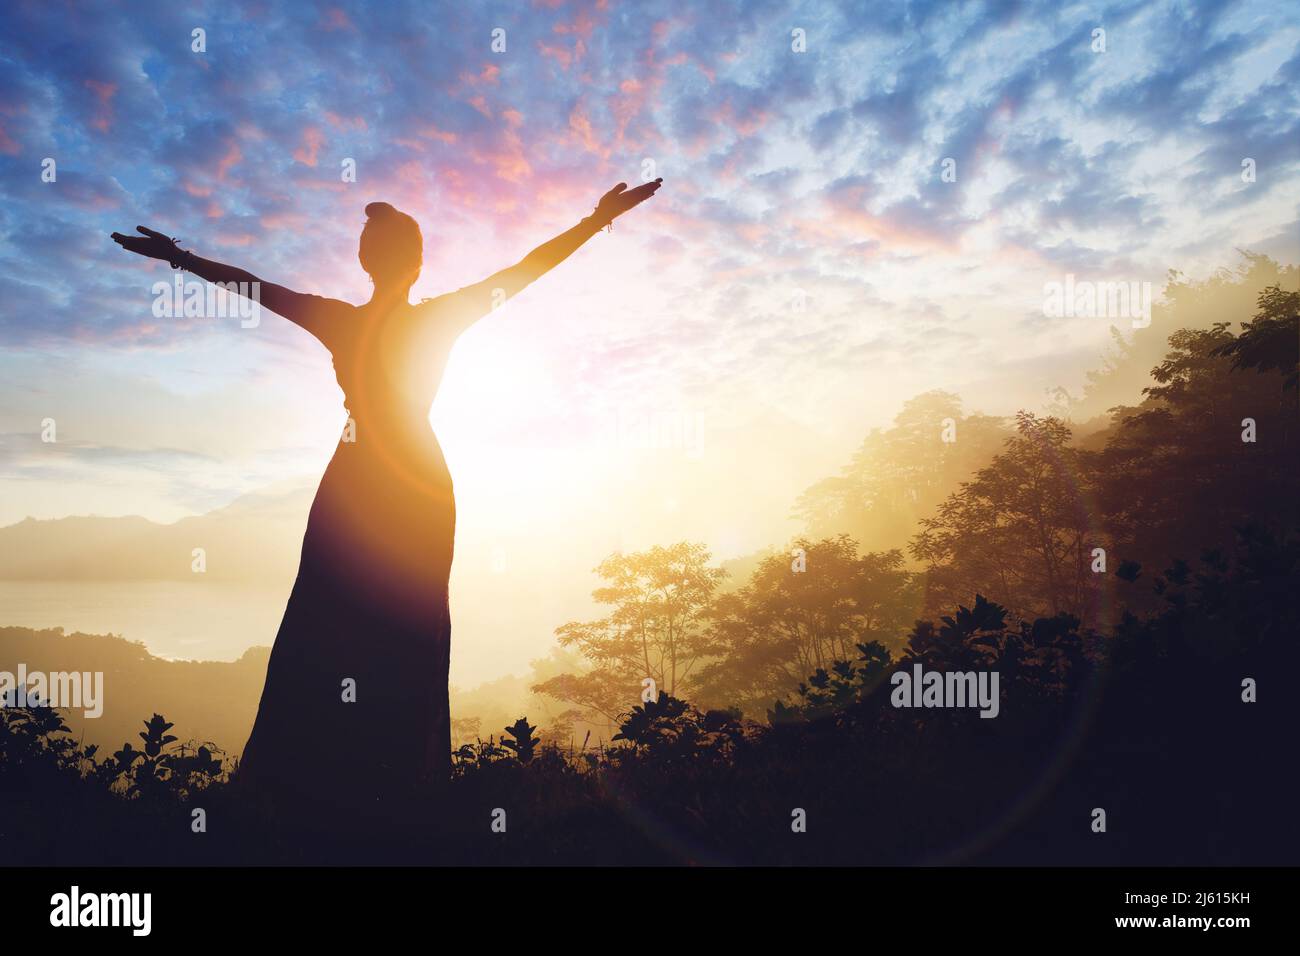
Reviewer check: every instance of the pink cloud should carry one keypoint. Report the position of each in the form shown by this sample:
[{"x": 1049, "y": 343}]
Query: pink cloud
[
  {"x": 724, "y": 115},
  {"x": 488, "y": 75},
  {"x": 104, "y": 93},
  {"x": 7, "y": 143},
  {"x": 580, "y": 127},
  {"x": 234, "y": 238},
  {"x": 232, "y": 157},
  {"x": 345, "y": 122},
  {"x": 559, "y": 54},
  {"x": 847, "y": 221},
  {"x": 283, "y": 220},
  {"x": 336, "y": 19},
  {"x": 312, "y": 140},
  {"x": 507, "y": 159},
  {"x": 582, "y": 26},
  {"x": 430, "y": 131}
]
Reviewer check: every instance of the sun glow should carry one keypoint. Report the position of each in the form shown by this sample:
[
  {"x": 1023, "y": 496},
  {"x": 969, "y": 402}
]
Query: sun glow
[{"x": 501, "y": 413}]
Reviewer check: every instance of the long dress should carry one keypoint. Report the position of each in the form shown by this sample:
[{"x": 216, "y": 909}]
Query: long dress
[{"x": 355, "y": 702}]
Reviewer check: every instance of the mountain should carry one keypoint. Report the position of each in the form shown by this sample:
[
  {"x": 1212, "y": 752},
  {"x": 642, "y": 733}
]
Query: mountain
[
  {"x": 216, "y": 701},
  {"x": 255, "y": 539},
  {"x": 206, "y": 700}
]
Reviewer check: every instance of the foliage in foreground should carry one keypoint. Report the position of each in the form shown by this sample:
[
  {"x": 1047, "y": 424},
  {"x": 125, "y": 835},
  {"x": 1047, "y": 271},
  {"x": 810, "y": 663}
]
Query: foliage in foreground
[{"x": 1146, "y": 721}]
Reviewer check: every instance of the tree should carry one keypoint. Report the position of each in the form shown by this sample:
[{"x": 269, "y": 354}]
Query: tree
[
  {"x": 656, "y": 629},
  {"x": 785, "y": 624},
  {"x": 1176, "y": 476},
  {"x": 1269, "y": 342},
  {"x": 1186, "y": 304},
  {"x": 902, "y": 473},
  {"x": 1021, "y": 530}
]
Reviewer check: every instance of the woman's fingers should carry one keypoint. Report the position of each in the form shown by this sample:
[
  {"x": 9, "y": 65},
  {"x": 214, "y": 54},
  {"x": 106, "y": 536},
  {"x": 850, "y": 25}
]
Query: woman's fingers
[
  {"x": 143, "y": 245},
  {"x": 614, "y": 192},
  {"x": 145, "y": 230},
  {"x": 642, "y": 193},
  {"x": 620, "y": 199}
]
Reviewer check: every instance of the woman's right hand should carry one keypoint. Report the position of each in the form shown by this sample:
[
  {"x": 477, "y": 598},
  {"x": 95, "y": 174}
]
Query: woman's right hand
[
  {"x": 151, "y": 244},
  {"x": 620, "y": 199}
]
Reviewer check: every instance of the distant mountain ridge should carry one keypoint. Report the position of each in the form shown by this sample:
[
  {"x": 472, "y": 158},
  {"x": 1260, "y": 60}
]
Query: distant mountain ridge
[
  {"x": 206, "y": 700},
  {"x": 254, "y": 539}
]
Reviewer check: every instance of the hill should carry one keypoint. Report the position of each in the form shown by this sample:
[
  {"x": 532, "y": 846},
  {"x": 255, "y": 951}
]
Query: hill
[{"x": 208, "y": 700}]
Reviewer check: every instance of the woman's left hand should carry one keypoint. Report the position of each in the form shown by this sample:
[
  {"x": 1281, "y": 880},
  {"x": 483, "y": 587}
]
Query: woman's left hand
[{"x": 152, "y": 244}]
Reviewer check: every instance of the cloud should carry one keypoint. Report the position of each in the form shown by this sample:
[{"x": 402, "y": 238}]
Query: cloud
[{"x": 819, "y": 171}]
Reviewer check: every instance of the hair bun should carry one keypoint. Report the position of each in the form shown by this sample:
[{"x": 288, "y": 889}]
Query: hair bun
[{"x": 379, "y": 210}]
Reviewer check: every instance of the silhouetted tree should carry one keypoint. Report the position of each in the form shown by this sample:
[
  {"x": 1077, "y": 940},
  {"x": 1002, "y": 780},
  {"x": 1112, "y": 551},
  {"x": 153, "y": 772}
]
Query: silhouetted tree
[
  {"x": 656, "y": 628},
  {"x": 1185, "y": 304},
  {"x": 1269, "y": 343},
  {"x": 1021, "y": 530},
  {"x": 783, "y": 624},
  {"x": 901, "y": 473},
  {"x": 1176, "y": 476}
]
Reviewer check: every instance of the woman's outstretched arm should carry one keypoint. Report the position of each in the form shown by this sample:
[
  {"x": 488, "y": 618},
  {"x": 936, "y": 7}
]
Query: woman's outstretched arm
[
  {"x": 298, "y": 308},
  {"x": 468, "y": 305}
]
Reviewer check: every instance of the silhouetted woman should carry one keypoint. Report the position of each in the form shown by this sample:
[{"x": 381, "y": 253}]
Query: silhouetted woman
[{"x": 355, "y": 701}]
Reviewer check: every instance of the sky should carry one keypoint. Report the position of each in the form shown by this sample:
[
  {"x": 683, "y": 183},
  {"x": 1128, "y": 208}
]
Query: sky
[{"x": 806, "y": 268}]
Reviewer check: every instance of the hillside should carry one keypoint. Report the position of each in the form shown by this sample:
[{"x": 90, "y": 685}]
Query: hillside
[
  {"x": 207, "y": 700},
  {"x": 254, "y": 539}
]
